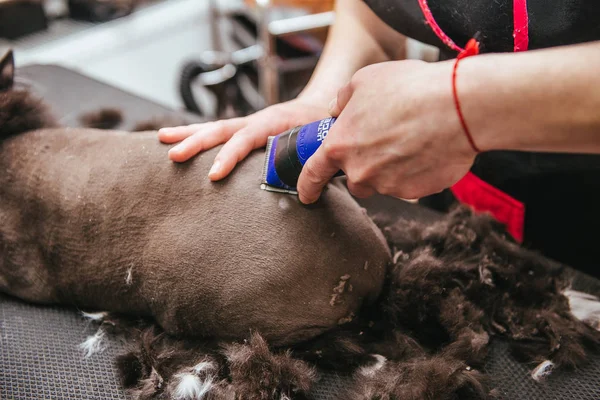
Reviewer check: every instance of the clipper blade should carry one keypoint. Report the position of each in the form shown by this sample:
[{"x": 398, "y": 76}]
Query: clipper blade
[{"x": 268, "y": 165}]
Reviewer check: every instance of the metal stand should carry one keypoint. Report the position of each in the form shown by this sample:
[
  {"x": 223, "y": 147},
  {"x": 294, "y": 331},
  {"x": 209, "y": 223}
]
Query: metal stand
[{"x": 252, "y": 74}]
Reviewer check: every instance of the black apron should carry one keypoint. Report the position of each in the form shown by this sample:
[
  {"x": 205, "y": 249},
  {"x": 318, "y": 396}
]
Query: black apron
[{"x": 556, "y": 197}]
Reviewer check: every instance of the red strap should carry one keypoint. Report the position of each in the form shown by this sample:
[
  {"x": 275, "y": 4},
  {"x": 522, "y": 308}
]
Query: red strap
[
  {"x": 483, "y": 197},
  {"x": 520, "y": 25},
  {"x": 436, "y": 28}
]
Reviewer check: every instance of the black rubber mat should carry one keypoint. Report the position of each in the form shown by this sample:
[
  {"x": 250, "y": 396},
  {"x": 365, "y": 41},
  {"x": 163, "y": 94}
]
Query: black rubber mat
[{"x": 40, "y": 356}]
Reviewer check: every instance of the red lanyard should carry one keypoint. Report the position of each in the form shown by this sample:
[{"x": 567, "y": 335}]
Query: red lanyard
[{"x": 520, "y": 26}]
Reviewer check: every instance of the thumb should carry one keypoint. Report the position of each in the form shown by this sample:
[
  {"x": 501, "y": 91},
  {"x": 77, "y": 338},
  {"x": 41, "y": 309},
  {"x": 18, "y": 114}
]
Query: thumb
[
  {"x": 337, "y": 105},
  {"x": 317, "y": 171}
]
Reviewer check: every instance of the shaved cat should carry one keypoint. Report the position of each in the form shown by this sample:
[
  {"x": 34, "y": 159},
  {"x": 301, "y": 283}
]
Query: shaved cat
[{"x": 103, "y": 221}]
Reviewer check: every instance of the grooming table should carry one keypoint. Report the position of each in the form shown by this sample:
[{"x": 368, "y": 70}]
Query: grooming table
[{"x": 39, "y": 354}]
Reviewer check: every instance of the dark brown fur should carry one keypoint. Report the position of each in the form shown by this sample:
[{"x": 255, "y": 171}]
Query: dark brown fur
[
  {"x": 20, "y": 111},
  {"x": 435, "y": 378},
  {"x": 248, "y": 370},
  {"x": 259, "y": 374},
  {"x": 462, "y": 279},
  {"x": 104, "y": 118},
  {"x": 150, "y": 369}
]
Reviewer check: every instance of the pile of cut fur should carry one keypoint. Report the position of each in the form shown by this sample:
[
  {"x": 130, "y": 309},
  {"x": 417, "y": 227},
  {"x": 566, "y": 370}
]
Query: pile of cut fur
[{"x": 454, "y": 284}]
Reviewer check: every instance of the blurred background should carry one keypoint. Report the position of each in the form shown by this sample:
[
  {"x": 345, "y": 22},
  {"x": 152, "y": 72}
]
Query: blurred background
[{"x": 216, "y": 58}]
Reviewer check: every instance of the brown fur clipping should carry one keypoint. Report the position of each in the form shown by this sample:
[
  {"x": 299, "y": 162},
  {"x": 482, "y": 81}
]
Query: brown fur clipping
[
  {"x": 158, "y": 364},
  {"x": 104, "y": 118},
  {"x": 435, "y": 378},
  {"x": 259, "y": 374}
]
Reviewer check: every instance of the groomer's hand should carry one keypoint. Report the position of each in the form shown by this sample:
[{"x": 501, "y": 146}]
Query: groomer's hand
[
  {"x": 397, "y": 134},
  {"x": 240, "y": 135}
]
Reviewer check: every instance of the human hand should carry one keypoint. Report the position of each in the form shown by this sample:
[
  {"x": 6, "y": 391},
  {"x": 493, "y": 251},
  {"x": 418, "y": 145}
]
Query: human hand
[
  {"x": 240, "y": 135},
  {"x": 397, "y": 134}
]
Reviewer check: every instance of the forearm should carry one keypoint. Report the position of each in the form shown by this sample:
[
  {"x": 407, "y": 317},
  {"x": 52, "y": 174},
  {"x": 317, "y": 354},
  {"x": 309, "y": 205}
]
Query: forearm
[
  {"x": 545, "y": 100},
  {"x": 357, "y": 39}
]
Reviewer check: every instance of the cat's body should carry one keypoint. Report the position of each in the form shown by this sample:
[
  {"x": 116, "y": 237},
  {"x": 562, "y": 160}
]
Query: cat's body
[{"x": 103, "y": 220}]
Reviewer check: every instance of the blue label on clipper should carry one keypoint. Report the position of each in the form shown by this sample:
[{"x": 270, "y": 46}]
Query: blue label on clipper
[{"x": 311, "y": 136}]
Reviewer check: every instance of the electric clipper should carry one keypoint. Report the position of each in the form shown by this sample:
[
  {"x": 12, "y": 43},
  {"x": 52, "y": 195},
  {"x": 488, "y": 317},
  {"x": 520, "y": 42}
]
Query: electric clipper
[{"x": 287, "y": 153}]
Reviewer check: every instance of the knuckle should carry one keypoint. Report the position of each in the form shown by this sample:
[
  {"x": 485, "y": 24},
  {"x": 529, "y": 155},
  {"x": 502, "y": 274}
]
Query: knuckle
[
  {"x": 333, "y": 148},
  {"x": 239, "y": 137},
  {"x": 330, "y": 148},
  {"x": 359, "y": 176},
  {"x": 219, "y": 126},
  {"x": 311, "y": 174}
]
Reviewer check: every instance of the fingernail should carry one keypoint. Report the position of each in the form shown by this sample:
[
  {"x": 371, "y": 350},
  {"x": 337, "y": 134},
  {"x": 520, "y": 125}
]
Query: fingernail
[
  {"x": 215, "y": 168},
  {"x": 332, "y": 104},
  {"x": 165, "y": 130},
  {"x": 175, "y": 149}
]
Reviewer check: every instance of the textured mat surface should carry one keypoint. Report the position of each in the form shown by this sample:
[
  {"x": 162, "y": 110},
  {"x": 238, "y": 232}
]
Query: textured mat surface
[
  {"x": 39, "y": 353},
  {"x": 40, "y": 359}
]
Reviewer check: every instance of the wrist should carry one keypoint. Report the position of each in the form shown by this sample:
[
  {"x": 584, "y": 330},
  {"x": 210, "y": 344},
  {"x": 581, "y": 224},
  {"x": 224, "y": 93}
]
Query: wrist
[
  {"x": 318, "y": 96},
  {"x": 485, "y": 102},
  {"x": 542, "y": 100}
]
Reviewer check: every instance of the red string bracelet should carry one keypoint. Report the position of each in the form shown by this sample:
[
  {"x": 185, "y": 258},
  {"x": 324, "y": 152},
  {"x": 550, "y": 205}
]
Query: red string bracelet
[{"x": 471, "y": 49}]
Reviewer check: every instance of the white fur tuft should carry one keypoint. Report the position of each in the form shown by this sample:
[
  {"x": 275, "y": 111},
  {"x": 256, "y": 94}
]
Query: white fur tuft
[
  {"x": 284, "y": 203},
  {"x": 129, "y": 276},
  {"x": 370, "y": 370},
  {"x": 542, "y": 371},
  {"x": 203, "y": 366},
  {"x": 93, "y": 344},
  {"x": 99, "y": 316},
  {"x": 585, "y": 307},
  {"x": 190, "y": 387}
]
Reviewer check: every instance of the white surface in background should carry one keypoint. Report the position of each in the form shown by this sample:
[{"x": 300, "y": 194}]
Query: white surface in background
[{"x": 142, "y": 53}]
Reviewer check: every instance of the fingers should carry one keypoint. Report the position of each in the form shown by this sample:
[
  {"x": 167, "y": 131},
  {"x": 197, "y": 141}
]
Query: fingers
[
  {"x": 194, "y": 144},
  {"x": 177, "y": 133},
  {"x": 234, "y": 151},
  {"x": 339, "y": 103},
  {"x": 317, "y": 171},
  {"x": 203, "y": 137}
]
